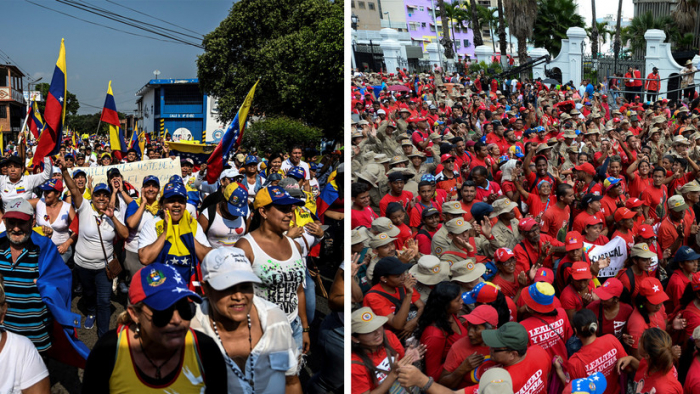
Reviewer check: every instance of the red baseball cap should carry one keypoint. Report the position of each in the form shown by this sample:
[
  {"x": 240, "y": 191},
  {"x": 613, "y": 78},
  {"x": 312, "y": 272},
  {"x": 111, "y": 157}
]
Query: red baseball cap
[
  {"x": 616, "y": 120},
  {"x": 483, "y": 314},
  {"x": 695, "y": 281},
  {"x": 624, "y": 213},
  {"x": 522, "y": 109},
  {"x": 573, "y": 241},
  {"x": 646, "y": 231},
  {"x": 446, "y": 156},
  {"x": 593, "y": 220},
  {"x": 544, "y": 275},
  {"x": 585, "y": 167},
  {"x": 651, "y": 289},
  {"x": 580, "y": 270},
  {"x": 420, "y": 119},
  {"x": 611, "y": 288},
  {"x": 634, "y": 203},
  {"x": 503, "y": 255},
  {"x": 526, "y": 224}
]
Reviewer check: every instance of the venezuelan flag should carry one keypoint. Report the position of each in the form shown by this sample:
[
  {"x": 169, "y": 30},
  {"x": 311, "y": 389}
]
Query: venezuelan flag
[
  {"x": 35, "y": 123},
  {"x": 232, "y": 138},
  {"x": 327, "y": 196},
  {"x": 199, "y": 153},
  {"x": 135, "y": 142},
  {"x": 111, "y": 117},
  {"x": 178, "y": 250},
  {"x": 55, "y": 112}
]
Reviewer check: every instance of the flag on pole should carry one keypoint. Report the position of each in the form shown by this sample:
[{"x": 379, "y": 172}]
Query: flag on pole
[
  {"x": 35, "y": 123},
  {"x": 111, "y": 117},
  {"x": 231, "y": 140},
  {"x": 137, "y": 142},
  {"x": 54, "y": 113},
  {"x": 2, "y": 141}
]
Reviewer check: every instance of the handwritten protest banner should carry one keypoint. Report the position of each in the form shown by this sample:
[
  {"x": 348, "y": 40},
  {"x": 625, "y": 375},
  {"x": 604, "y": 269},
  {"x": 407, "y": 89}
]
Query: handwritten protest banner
[
  {"x": 136, "y": 171},
  {"x": 616, "y": 249}
]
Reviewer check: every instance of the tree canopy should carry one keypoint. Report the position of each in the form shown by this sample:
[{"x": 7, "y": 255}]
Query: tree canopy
[
  {"x": 295, "y": 47},
  {"x": 554, "y": 18},
  {"x": 72, "y": 104}
]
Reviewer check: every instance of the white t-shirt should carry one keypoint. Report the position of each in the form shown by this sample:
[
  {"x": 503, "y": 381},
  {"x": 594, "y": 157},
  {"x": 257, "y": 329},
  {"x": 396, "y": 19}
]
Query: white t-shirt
[
  {"x": 23, "y": 188},
  {"x": 88, "y": 249},
  {"x": 224, "y": 232},
  {"x": 287, "y": 165},
  {"x": 22, "y": 366},
  {"x": 60, "y": 224},
  {"x": 132, "y": 243},
  {"x": 149, "y": 235}
]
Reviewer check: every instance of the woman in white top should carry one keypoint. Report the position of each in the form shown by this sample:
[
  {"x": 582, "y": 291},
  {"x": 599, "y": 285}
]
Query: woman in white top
[
  {"x": 23, "y": 370},
  {"x": 276, "y": 258},
  {"x": 139, "y": 212},
  {"x": 98, "y": 229},
  {"x": 231, "y": 217},
  {"x": 253, "y": 334},
  {"x": 55, "y": 217}
]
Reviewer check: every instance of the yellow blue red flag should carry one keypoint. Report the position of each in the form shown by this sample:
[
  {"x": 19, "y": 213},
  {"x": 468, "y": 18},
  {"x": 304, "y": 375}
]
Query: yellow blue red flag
[
  {"x": 55, "y": 111},
  {"x": 111, "y": 117}
]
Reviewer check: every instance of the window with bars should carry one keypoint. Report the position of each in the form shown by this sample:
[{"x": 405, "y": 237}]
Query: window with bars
[
  {"x": 370, "y": 6},
  {"x": 361, "y": 4}
]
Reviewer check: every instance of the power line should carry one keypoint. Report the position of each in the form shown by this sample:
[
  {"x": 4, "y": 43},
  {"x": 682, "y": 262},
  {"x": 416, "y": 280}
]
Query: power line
[
  {"x": 11, "y": 60},
  {"x": 153, "y": 17},
  {"x": 97, "y": 24}
]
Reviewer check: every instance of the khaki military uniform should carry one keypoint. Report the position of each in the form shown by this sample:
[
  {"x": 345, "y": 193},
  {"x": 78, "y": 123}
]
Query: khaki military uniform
[{"x": 503, "y": 237}]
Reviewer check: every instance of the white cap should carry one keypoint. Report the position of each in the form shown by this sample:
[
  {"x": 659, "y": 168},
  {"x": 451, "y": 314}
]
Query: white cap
[
  {"x": 55, "y": 170},
  {"x": 226, "y": 267},
  {"x": 230, "y": 173}
]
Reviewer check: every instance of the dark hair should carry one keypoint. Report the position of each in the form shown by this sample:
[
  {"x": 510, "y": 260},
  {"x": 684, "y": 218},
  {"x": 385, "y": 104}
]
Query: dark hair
[
  {"x": 478, "y": 146},
  {"x": 357, "y": 188},
  {"x": 502, "y": 308},
  {"x": 424, "y": 183},
  {"x": 585, "y": 323},
  {"x": 468, "y": 184},
  {"x": 481, "y": 170},
  {"x": 639, "y": 304},
  {"x": 562, "y": 189},
  {"x": 658, "y": 345},
  {"x": 435, "y": 311},
  {"x": 659, "y": 169}
]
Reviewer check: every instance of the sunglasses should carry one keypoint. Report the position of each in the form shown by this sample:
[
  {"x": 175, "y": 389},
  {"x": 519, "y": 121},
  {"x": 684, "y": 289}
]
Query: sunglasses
[
  {"x": 284, "y": 208},
  {"x": 496, "y": 350},
  {"x": 185, "y": 308}
]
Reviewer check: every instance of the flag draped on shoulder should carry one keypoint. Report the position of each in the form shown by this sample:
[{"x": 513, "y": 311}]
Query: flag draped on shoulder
[
  {"x": 55, "y": 111},
  {"x": 111, "y": 117},
  {"x": 35, "y": 124},
  {"x": 231, "y": 140},
  {"x": 327, "y": 197}
]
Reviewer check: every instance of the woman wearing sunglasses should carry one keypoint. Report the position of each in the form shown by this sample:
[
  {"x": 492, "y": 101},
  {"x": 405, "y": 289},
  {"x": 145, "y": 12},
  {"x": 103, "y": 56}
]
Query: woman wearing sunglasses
[
  {"x": 153, "y": 347},
  {"x": 253, "y": 334},
  {"x": 276, "y": 258}
]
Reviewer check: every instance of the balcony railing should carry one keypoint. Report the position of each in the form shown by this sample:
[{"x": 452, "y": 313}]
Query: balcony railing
[{"x": 394, "y": 24}]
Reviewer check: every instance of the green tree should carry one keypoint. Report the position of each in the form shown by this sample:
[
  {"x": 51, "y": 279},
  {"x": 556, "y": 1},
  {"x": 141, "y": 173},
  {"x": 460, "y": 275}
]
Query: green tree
[
  {"x": 554, "y": 18},
  {"x": 594, "y": 33},
  {"x": 521, "y": 19},
  {"x": 633, "y": 35},
  {"x": 476, "y": 26},
  {"x": 296, "y": 49},
  {"x": 685, "y": 15},
  {"x": 72, "y": 104},
  {"x": 279, "y": 134},
  {"x": 487, "y": 16},
  {"x": 457, "y": 16}
]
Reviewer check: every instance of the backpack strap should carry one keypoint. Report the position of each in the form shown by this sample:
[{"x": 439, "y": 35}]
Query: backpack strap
[
  {"x": 211, "y": 213},
  {"x": 396, "y": 301},
  {"x": 426, "y": 233},
  {"x": 522, "y": 245}
]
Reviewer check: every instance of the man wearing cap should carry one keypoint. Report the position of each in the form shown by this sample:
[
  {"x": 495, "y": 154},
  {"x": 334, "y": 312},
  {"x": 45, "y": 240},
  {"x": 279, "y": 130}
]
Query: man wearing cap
[
  {"x": 577, "y": 294},
  {"x": 440, "y": 241},
  {"x": 459, "y": 247},
  {"x": 468, "y": 352},
  {"x": 403, "y": 307},
  {"x": 613, "y": 199},
  {"x": 528, "y": 366},
  {"x": 688, "y": 80},
  {"x": 429, "y": 272},
  {"x": 37, "y": 283},
  {"x": 384, "y": 246},
  {"x": 591, "y": 207},
  {"x": 535, "y": 248},
  {"x": 294, "y": 160},
  {"x": 448, "y": 179},
  {"x": 673, "y": 230},
  {"x": 397, "y": 181},
  {"x": 17, "y": 185},
  {"x": 504, "y": 233}
]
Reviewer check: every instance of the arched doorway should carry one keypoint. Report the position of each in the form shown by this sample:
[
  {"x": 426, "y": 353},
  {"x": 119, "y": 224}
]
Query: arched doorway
[{"x": 674, "y": 83}]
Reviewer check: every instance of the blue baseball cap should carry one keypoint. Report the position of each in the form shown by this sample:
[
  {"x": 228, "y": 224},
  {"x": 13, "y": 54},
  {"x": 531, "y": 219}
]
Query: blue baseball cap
[
  {"x": 174, "y": 189},
  {"x": 250, "y": 159},
  {"x": 480, "y": 210},
  {"x": 176, "y": 179},
  {"x": 313, "y": 167},
  {"x": 237, "y": 198},
  {"x": 52, "y": 184},
  {"x": 297, "y": 173},
  {"x": 159, "y": 286},
  {"x": 593, "y": 384},
  {"x": 79, "y": 172},
  {"x": 101, "y": 187},
  {"x": 685, "y": 253},
  {"x": 428, "y": 178},
  {"x": 274, "y": 195},
  {"x": 151, "y": 178},
  {"x": 483, "y": 292}
]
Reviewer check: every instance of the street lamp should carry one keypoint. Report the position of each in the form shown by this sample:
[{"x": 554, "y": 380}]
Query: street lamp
[
  {"x": 353, "y": 23},
  {"x": 354, "y": 19},
  {"x": 388, "y": 17}
]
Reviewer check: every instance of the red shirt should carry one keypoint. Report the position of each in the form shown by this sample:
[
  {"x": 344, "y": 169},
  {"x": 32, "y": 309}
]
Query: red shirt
[
  {"x": 549, "y": 332},
  {"x": 482, "y": 193},
  {"x": 608, "y": 205},
  {"x": 692, "y": 315},
  {"x": 467, "y": 207},
  {"x": 636, "y": 324},
  {"x": 509, "y": 289},
  {"x": 404, "y": 234},
  {"x": 555, "y": 221},
  {"x": 667, "y": 233},
  {"x": 404, "y": 199},
  {"x": 657, "y": 382},
  {"x": 655, "y": 198},
  {"x": 362, "y": 218},
  {"x": 692, "y": 379},
  {"x": 536, "y": 206},
  {"x": 622, "y": 276},
  {"x": 380, "y": 305},
  {"x": 476, "y": 162},
  {"x": 637, "y": 185},
  {"x": 615, "y": 326},
  {"x": 532, "y": 177},
  {"x": 361, "y": 379},
  {"x": 599, "y": 356},
  {"x": 437, "y": 346},
  {"x": 416, "y": 216},
  {"x": 448, "y": 184},
  {"x": 570, "y": 299},
  {"x": 582, "y": 218},
  {"x": 533, "y": 372},
  {"x": 424, "y": 243},
  {"x": 458, "y": 353},
  {"x": 526, "y": 257},
  {"x": 461, "y": 160},
  {"x": 629, "y": 238},
  {"x": 675, "y": 288}
]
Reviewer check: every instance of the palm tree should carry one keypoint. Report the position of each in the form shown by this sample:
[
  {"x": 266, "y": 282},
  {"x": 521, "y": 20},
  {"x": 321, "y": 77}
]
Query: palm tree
[
  {"x": 594, "y": 33},
  {"x": 457, "y": 16},
  {"x": 554, "y": 18},
  {"x": 603, "y": 34},
  {"x": 634, "y": 33},
  {"x": 445, "y": 41},
  {"x": 476, "y": 27},
  {"x": 684, "y": 15},
  {"x": 521, "y": 19},
  {"x": 488, "y": 17},
  {"x": 616, "y": 45},
  {"x": 502, "y": 32}
]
